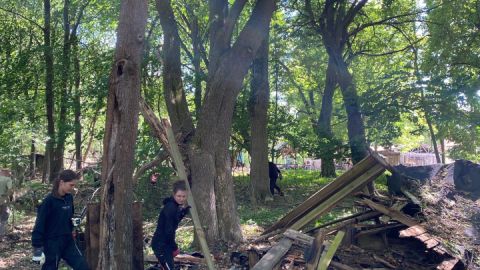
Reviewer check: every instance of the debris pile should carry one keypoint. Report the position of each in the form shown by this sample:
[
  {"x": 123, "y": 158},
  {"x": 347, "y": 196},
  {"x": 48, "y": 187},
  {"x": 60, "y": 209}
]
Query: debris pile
[{"x": 428, "y": 224}]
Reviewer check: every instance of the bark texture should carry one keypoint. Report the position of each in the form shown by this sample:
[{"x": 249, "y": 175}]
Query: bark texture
[
  {"x": 116, "y": 247},
  {"x": 258, "y": 107}
]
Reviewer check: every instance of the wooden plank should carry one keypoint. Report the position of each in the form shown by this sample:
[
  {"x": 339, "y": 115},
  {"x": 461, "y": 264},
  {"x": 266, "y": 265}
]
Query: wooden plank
[
  {"x": 448, "y": 264},
  {"x": 330, "y": 202},
  {"x": 349, "y": 219},
  {"x": 253, "y": 257},
  {"x": 315, "y": 251},
  {"x": 274, "y": 255},
  {"x": 409, "y": 195},
  {"x": 341, "y": 266},
  {"x": 366, "y": 216},
  {"x": 323, "y": 193},
  {"x": 325, "y": 260},
  {"x": 137, "y": 222},
  {"x": 177, "y": 159},
  {"x": 92, "y": 235},
  {"x": 380, "y": 229},
  {"x": 180, "y": 258},
  {"x": 298, "y": 236},
  {"x": 397, "y": 215},
  {"x": 412, "y": 231}
]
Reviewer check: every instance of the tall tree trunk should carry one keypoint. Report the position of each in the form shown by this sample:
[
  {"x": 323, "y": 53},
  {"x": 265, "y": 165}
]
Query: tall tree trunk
[
  {"x": 356, "y": 129},
  {"x": 324, "y": 127},
  {"x": 77, "y": 106},
  {"x": 116, "y": 247},
  {"x": 62, "y": 119},
  {"x": 442, "y": 147},
  {"x": 172, "y": 72},
  {"x": 210, "y": 158},
  {"x": 275, "y": 111},
  {"x": 49, "y": 93},
  {"x": 258, "y": 108}
]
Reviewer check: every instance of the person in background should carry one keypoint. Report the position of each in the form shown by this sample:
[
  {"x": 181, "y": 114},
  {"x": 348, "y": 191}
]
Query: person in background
[
  {"x": 174, "y": 209},
  {"x": 274, "y": 173},
  {"x": 52, "y": 236}
]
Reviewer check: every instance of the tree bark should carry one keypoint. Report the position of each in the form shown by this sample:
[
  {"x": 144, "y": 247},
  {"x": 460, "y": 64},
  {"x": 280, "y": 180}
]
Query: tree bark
[
  {"x": 62, "y": 118},
  {"x": 49, "y": 93},
  {"x": 210, "y": 157},
  {"x": 356, "y": 128},
  {"x": 324, "y": 126},
  {"x": 172, "y": 72},
  {"x": 258, "y": 108},
  {"x": 77, "y": 107},
  {"x": 116, "y": 247}
]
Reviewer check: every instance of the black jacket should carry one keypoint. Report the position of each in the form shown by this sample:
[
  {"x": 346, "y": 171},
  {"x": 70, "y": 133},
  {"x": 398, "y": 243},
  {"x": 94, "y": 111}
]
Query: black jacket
[
  {"x": 53, "y": 219},
  {"x": 167, "y": 224},
  {"x": 273, "y": 171}
]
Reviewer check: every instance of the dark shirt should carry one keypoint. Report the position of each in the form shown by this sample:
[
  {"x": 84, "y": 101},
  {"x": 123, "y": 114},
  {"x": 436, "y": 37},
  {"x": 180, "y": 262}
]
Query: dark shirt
[
  {"x": 53, "y": 219},
  {"x": 167, "y": 224},
  {"x": 273, "y": 170}
]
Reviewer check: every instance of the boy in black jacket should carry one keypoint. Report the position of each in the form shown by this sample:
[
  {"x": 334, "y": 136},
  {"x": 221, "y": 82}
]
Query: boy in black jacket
[
  {"x": 52, "y": 237},
  {"x": 163, "y": 241}
]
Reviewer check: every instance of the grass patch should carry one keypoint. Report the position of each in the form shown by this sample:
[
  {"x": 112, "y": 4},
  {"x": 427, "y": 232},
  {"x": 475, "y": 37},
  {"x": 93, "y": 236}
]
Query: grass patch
[{"x": 297, "y": 185}]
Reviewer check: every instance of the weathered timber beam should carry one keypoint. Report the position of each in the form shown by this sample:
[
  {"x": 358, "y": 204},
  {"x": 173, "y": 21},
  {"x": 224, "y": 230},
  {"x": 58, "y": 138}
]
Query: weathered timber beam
[
  {"x": 274, "y": 255},
  {"x": 370, "y": 175}
]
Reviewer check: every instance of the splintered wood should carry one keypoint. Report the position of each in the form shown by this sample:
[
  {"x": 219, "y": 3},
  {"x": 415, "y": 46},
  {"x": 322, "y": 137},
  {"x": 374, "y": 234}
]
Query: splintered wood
[{"x": 378, "y": 227}]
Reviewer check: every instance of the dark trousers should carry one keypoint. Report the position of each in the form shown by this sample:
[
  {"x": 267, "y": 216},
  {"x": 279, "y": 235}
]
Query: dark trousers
[
  {"x": 63, "y": 247},
  {"x": 165, "y": 257},
  {"x": 273, "y": 186}
]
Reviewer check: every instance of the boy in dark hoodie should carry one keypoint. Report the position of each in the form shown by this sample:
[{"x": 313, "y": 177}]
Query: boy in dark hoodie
[
  {"x": 163, "y": 241},
  {"x": 52, "y": 237}
]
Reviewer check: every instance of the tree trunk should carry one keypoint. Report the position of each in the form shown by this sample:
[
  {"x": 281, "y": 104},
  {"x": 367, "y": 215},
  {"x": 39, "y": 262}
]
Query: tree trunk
[
  {"x": 356, "y": 129},
  {"x": 49, "y": 93},
  {"x": 258, "y": 107},
  {"x": 210, "y": 159},
  {"x": 172, "y": 72},
  {"x": 442, "y": 147},
  {"x": 116, "y": 247},
  {"x": 62, "y": 119},
  {"x": 432, "y": 134},
  {"x": 324, "y": 127},
  {"x": 77, "y": 107}
]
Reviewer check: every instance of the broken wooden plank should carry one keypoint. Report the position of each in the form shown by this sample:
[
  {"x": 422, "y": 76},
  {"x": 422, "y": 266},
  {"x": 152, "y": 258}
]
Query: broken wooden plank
[
  {"x": 266, "y": 236},
  {"x": 315, "y": 251},
  {"x": 341, "y": 266},
  {"x": 321, "y": 195},
  {"x": 448, "y": 264},
  {"x": 298, "y": 236},
  {"x": 379, "y": 229},
  {"x": 397, "y": 215},
  {"x": 355, "y": 218},
  {"x": 384, "y": 262},
  {"x": 180, "y": 258},
  {"x": 325, "y": 260},
  {"x": 410, "y": 196},
  {"x": 412, "y": 231},
  {"x": 274, "y": 255},
  {"x": 370, "y": 175}
]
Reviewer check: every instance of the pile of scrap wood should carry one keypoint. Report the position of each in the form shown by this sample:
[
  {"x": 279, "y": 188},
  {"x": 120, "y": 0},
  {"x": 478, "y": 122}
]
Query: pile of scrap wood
[{"x": 382, "y": 233}]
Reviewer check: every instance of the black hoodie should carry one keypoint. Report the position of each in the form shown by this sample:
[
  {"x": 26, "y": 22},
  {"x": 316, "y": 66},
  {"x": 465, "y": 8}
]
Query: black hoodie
[
  {"x": 167, "y": 224},
  {"x": 53, "y": 219}
]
